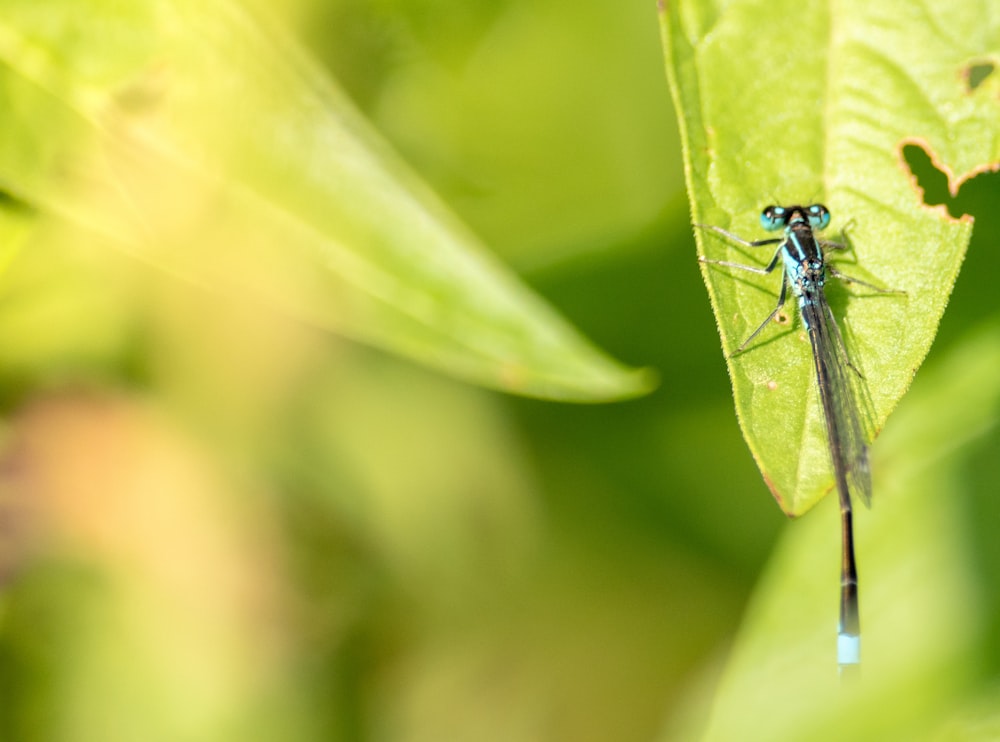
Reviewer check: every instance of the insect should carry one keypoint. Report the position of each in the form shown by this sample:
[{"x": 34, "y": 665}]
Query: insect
[{"x": 805, "y": 271}]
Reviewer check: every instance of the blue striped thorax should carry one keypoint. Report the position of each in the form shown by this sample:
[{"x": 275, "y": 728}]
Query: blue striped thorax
[{"x": 801, "y": 254}]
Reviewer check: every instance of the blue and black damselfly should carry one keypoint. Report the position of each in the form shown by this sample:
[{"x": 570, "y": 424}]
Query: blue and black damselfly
[{"x": 805, "y": 270}]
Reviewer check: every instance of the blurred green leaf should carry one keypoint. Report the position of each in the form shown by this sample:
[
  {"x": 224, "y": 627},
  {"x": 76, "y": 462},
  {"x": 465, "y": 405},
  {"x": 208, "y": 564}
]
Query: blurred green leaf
[
  {"x": 821, "y": 112},
  {"x": 203, "y": 142},
  {"x": 978, "y": 722},
  {"x": 920, "y": 628},
  {"x": 540, "y": 169}
]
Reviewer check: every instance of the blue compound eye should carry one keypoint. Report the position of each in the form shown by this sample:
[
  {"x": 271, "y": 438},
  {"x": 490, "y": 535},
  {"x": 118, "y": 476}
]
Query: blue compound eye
[
  {"x": 774, "y": 217},
  {"x": 819, "y": 216}
]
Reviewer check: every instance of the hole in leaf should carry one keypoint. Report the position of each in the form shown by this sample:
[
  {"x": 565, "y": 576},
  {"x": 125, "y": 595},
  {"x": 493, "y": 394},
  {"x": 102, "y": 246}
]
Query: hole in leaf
[
  {"x": 976, "y": 195},
  {"x": 782, "y": 318},
  {"x": 976, "y": 74}
]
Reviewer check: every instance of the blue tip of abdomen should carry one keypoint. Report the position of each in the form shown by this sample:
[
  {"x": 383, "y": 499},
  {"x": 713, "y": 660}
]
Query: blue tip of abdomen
[{"x": 848, "y": 649}]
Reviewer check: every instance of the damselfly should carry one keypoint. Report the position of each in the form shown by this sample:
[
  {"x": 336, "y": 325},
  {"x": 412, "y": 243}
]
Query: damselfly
[{"x": 805, "y": 270}]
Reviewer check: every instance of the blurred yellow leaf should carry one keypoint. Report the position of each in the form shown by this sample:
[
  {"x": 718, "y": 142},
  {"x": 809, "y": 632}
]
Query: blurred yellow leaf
[{"x": 207, "y": 144}]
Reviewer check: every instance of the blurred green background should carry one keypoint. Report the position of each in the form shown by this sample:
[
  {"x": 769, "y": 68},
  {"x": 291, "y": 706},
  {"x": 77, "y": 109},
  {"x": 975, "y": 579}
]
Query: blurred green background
[{"x": 222, "y": 524}]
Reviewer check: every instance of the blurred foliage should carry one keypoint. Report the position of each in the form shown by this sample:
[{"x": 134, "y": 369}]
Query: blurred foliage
[
  {"x": 206, "y": 144},
  {"x": 220, "y": 522}
]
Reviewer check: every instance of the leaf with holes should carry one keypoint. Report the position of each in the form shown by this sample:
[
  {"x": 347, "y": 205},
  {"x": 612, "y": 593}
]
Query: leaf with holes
[{"x": 819, "y": 111}]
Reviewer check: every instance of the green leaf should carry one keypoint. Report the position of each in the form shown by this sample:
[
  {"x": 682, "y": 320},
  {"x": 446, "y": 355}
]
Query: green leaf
[
  {"x": 204, "y": 143},
  {"x": 789, "y": 102}
]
